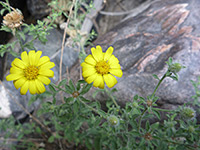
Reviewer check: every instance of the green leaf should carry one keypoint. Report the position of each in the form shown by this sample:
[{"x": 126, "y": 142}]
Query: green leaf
[
  {"x": 71, "y": 85},
  {"x": 38, "y": 130},
  {"x": 113, "y": 90},
  {"x": 136, "y": 133},
  {"x": 170, "y": 61},
  {"x": 155, "y": 126},
  {"x": 97, "y": 143},
  {"x": 52, "y": 88},
  {"x": 5, "y": 28},
  {"x": 47, "y": 94},
  {"x": 84, "y": 99},
  {"x": 68, "y": 89},
  {"x": 156, "y": 113},
  {"x": 102, "y": 113},
  {"x": 75, "y": 107},
  {"x": 174, "y": 78},
  {"x": 54, "y": 100},
  {"x": 85, "y": 89},
  {"x": 69, "y": 99},
  {"x": 2, "y": 11},
  {"x": 29, "y": 45},
  {"x": 22, "y": 35},
  {"x": 78, "y": 85},
  {"x": 135, "y": 97},
  {"x": 51, "y": 139},
  {"x": 155, "y": 76},
  {"x": 64, "y": 81}
]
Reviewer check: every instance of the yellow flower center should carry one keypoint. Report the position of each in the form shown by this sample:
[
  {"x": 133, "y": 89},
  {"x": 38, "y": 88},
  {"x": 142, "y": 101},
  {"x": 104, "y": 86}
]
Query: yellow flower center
[
  {"x": 31, "y": 72},
  {"x": 102, "y": 67}
]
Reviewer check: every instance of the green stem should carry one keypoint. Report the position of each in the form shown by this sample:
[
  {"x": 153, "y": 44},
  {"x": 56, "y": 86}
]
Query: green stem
[
  {"x": 30, "y": 41},
  {"x": 164, "y": 76},
  {"x": 89, "y": 106},
  {"x": 152, "y": 96},
  {"x": 140, "y": 119},
  {"x": 19, "y": 40},
  {"x": 113, "y": 99},
  {"x": 165, "y": 110}
]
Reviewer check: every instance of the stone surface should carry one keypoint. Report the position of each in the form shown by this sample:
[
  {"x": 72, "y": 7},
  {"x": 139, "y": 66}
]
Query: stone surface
[
  {"x": 114, "y": 11},
  {"x": 145, "y": 42},
  {"x": 38, "y": 8}
]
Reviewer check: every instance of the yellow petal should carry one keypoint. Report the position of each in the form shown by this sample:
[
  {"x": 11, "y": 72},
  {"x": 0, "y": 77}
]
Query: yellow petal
[
  {"x": 110, "y": 80},
  {"x": 83, "y": 64},
  {"x": 24, "y": 88},
  {"x": 16, "y": 70},
  {"x": 46, "y": 72},
  {"x": 24, "y": 57},
  {"x": 88, "y": 72},
  {"x": 98, "y": 80},
  {"x": 43, "y": 60},
  {"x": 47, "y": 65},
  {"x": 102, "y": 84},
  {"x": 32, "y": 87},
  {"x": 18, "y": 63},
  {"x": 31, "y": 56},
  {"x": 116, "y": 72},
  {"x": 11, "y": 77},
  {"x": 37, "y": 57},
  {"x": 108, "y": 53},
  {"x": 90, "y": 60},
  {"x": 115, "y": 66},
  {"x": 91, "y": 78},
  {"x": 44, "y": 79},
  {"x": 97, "y": 53},
  {"x": 113, "y": 60},
  {"x": 40, "y": 87},
  {"x": 18, "y": 83},
  {"x": 88, "y": 68}
]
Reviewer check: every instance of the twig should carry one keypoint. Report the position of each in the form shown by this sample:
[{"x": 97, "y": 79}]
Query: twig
[
  {"x": 68, "y": 74},
  {"x": 88, "y": 23},
  {"x": 137, "y": 10},
  {"x": 21, "y": 140},
  {"x": 33, "y": 117},
  {"x": 63, "y": 41}
]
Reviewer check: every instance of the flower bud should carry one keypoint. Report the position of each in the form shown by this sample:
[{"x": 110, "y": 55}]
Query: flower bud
[
  {"x": 188, "y": 113},
  {"x": 176, "y": 67},
  {"x": 191, "y": 129},
  {"x": 135, "y": 104},
  {"x": 113, "y": 120}
]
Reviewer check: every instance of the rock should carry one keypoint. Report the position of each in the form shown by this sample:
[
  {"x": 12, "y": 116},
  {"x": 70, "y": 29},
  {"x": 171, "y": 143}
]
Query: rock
[
  {"x": 145, "y": 42},
  {"x": 38, "y": 8},
  {"x": 114, "y": 11},
  {"x": 11, "y": 101}
]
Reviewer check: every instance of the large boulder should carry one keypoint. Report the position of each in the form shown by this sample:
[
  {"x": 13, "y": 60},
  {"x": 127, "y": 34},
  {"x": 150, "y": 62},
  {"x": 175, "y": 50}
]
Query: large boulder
[{"x": 145, "y": 42}]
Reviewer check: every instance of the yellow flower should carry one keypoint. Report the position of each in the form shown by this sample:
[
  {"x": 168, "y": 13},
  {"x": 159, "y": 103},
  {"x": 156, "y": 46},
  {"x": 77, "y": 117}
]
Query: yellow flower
[
  {"x": 31, "y": 72},
  {"x": 99, "y": 67}
]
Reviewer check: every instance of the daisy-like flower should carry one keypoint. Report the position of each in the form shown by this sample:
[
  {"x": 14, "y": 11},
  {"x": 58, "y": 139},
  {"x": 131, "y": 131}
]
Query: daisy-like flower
[
  {"x": 31, "y": 72},
  {"x": 13, "y": 19},
  {"x": 100, "y": 67}
]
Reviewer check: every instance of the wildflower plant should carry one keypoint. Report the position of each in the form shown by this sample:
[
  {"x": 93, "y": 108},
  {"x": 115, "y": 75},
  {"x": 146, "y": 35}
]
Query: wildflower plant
[{"x": 76, "y": 121}]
